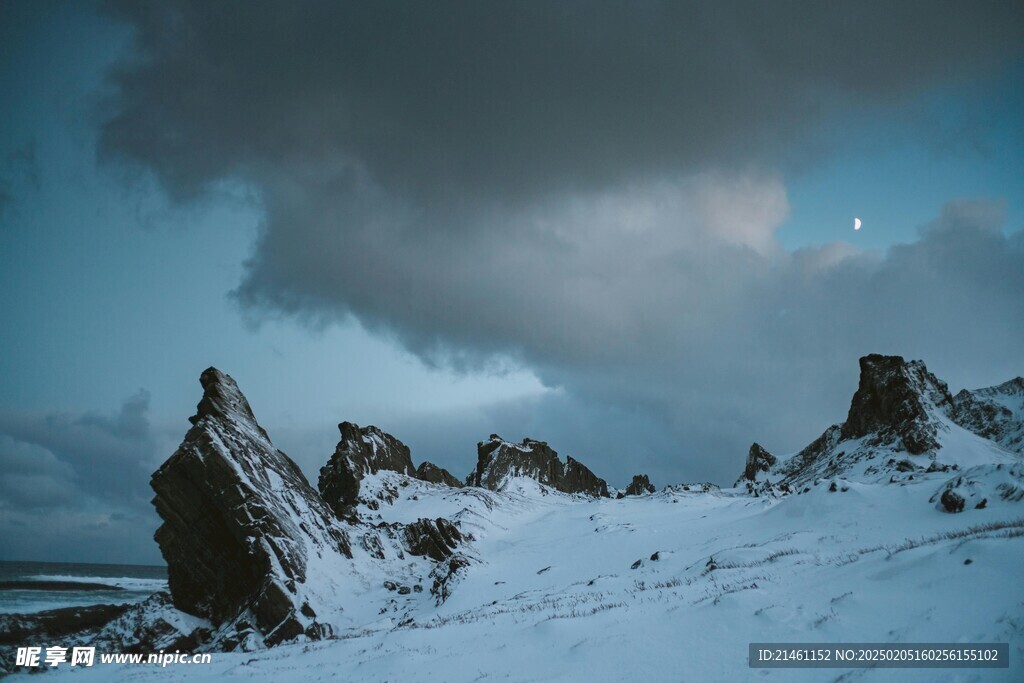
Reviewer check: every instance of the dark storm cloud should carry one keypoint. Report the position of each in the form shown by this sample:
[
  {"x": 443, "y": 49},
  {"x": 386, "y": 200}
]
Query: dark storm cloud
[
  {"x": 449, "y": 103},
  {"x": 106, "y": 456},
  {"x": 74, "y": 486},
  {"x": 583, "y": 187}
]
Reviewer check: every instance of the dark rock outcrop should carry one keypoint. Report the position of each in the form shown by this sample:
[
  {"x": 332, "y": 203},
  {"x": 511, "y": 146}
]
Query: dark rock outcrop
[
  {"x": 428, "y": 471},
  {"x": 436, "y": 539},
  {"x": 952, "y": 501},
  {"x": 359, "y": 453},
  {"x": 995, "y": 413},
  {"x": 445, "y": 575},
  {"x": 69, "y": 626},
  {"x": 758, "y": 460},
  {"x": 896, "y": 400},
  {"x": 18, "y": 629},
  {"x": 899, "y": 409},
  {"x": 640, "y": 485},
  {"x": 579, "y": 479},
  {"x": 239, "y": 518},
  {"x": 499, "y": 461}
]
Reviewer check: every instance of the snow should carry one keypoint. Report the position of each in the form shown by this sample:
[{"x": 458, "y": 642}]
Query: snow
[
  {"x": 668, "y": 586},
  {"x": 550, "y": 594}
]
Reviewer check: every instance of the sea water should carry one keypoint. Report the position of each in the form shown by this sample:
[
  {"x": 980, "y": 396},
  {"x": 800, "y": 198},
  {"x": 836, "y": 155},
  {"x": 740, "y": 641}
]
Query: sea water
[{"x": 137, "y": 582}]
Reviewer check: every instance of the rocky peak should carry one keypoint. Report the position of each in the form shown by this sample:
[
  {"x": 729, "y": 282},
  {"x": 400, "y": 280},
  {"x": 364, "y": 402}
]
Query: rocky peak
[
  {"x": 223, "y": 400},
  {"x": 428, "y": 471},
  {"x": 897, "y": 399},
  {"x": 640, "y": 485},
  {"x": 498, "y": 461},
  {"x": 758, "y": 460},
  {"x": 360, "y": 452},
  {"x": 239, "y": 520},
  {"x": 899, "y": 409}
]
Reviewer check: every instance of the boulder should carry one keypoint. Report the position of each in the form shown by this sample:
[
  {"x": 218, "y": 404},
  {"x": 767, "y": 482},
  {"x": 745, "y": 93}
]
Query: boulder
[{"x": 952, "y": 501}]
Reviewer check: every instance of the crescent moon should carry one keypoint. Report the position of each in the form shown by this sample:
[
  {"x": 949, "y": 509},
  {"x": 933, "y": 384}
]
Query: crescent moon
[{"x": 856, "y": 224}]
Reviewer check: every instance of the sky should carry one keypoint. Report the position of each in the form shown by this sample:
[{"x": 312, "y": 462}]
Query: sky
[{"x": 622, "y": 228}]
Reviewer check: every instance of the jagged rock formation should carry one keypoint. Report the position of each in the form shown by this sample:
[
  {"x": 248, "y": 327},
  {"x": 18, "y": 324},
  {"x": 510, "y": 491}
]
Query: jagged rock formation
[
  {"x": 897, "y": 400},
  {"x": 446, "y": 575},
  {"x": 239, "y": 523},
  {"x": 428, "y": 471},
  {"x": 579, "y": 479},
  {"x": 758, "y": 460},
  {"x": 436, "y": 539},
  {"x": 995, "y": 413},
  {"x": 640, "y": 485},
  {"x": 498, "y": 461},
  {"x": 18, "y": 629},
  {"x": 899, "y": 412},
  {"x": 694, "y": 487},
  {"x": 151, "y": 626},
  {"x": 359, "y": 453}
]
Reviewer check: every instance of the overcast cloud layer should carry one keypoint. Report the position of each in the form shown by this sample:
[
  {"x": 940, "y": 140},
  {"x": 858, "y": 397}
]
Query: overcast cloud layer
[
  {"x": 592, "y": 189},
  {"x": 75, "y": 487}
]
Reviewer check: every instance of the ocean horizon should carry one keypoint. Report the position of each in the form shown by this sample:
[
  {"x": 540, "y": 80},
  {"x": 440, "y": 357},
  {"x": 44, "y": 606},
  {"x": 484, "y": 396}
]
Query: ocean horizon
[{"x": 128, "y": 583}]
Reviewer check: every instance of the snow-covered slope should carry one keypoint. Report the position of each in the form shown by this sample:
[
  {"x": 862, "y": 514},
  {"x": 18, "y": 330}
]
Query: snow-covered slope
[
  {"x": 899, "y": 525},
  {"x": 996, "y": 413},
  {"x": 671, "y": 586}
]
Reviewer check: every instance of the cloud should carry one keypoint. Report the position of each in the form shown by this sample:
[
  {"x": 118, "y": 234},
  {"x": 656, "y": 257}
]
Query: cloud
[
  {"x": 33, "y": 477},
  {"x": 74, "y": 482},
  {"x": 586, "y": 189},
  {"x": 111, "y": 455},
  {"x": 677, "y": 345},
  {"x": 458, "y": 103}
]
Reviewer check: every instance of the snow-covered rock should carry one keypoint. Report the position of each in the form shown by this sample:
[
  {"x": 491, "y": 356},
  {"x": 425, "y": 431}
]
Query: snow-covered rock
[
  {"x": 240, "y": 522},
  {"x": 428, "y": 471},
  {"x": 902, "y": 422},
  {"x": 360, "y": 452},
  {"x": 758, "y": 460},
  {"x": 151, "y": 626},
  {"x": 896, "y": 405},
  {"x": 885, "y": 542},
  {"x": 996, "y": 413},
  {"x": 500, "y": 461},
  {"x": 640, "y": 485}
]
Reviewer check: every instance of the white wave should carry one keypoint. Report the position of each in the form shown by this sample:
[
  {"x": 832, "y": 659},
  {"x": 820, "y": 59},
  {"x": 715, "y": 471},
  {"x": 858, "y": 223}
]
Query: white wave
[{"x": 129, "y": 583}]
